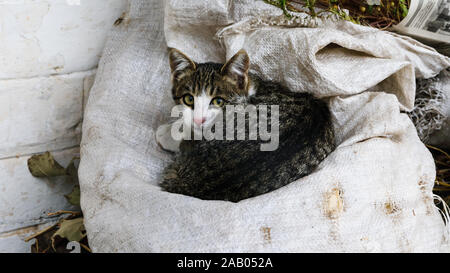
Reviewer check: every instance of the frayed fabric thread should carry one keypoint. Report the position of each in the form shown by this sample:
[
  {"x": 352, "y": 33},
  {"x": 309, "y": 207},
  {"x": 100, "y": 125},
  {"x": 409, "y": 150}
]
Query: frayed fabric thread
[
  {"x": 427, "y": 115},
  {"x": 445, "y": 215}
]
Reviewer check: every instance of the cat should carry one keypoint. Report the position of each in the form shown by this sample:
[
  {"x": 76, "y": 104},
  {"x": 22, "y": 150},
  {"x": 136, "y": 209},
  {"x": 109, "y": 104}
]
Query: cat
[{"x": 234, "y": 170}]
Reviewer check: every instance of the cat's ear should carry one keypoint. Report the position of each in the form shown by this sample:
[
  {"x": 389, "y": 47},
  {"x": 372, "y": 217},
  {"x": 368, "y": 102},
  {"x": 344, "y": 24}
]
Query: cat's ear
[
  {"x": 236, "y": 69},
  {"x": 179, "y": 63}
]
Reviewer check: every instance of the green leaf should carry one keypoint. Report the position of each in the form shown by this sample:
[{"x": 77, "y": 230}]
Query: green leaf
[
  {"x": 74, "y": 197},
  {"x": 44, "y": 165},
  {"x": 72, "y": 230},
  {"x": 403, "y": 8}
]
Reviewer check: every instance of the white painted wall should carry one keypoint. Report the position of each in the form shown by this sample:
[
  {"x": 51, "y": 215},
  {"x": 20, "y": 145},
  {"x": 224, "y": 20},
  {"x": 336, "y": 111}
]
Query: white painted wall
[{"x": 49, "y": 51}]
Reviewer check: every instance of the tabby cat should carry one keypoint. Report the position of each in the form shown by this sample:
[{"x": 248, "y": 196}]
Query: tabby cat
[{"x": 234, "y": 170}]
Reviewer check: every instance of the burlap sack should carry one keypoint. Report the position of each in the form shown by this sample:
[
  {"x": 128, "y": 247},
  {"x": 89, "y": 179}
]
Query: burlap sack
[{"x": 373, "y": 194}]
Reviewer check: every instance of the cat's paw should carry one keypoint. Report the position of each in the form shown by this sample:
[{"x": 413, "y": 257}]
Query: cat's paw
[{"x": 165, "y": 140}]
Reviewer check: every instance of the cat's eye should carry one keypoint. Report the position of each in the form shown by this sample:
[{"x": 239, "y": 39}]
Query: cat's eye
[
  {"x": 188, "y": 99},
  {"x": 219, "y": 102}
]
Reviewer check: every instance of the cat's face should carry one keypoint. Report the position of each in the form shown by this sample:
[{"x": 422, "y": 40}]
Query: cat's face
[{"x": 204, "y": 89}]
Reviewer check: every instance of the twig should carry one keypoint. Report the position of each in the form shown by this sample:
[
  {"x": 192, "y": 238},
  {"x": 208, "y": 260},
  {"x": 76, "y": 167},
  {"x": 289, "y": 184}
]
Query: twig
[
  {"x": 440, "y": 182},
  {"x": 73, "y": 213},
  {"x": 40, "y": 233},
  {"x": 85, "y": 247},
  {"x": 442, "y": 163},
  {"x": 439, "y": 150},
  {"x": 441, "y": 189}
]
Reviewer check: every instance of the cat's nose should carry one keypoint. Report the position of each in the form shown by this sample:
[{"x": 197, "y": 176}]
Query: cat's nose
[{"x": 199, "y": 121}]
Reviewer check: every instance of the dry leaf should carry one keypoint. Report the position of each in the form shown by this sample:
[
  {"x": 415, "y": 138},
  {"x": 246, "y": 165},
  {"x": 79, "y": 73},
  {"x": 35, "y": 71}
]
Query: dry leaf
[
  {"x": 72, "y": 230},
  {"x": 44, "y": 165},
  {"x": 47, "y": 242},
  {"x": 74, "y": 197}
]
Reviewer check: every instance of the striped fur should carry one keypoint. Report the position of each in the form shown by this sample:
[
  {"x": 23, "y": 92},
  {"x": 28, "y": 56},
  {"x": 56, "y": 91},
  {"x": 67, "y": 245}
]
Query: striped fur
[{"x": 234, "y": 170}]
